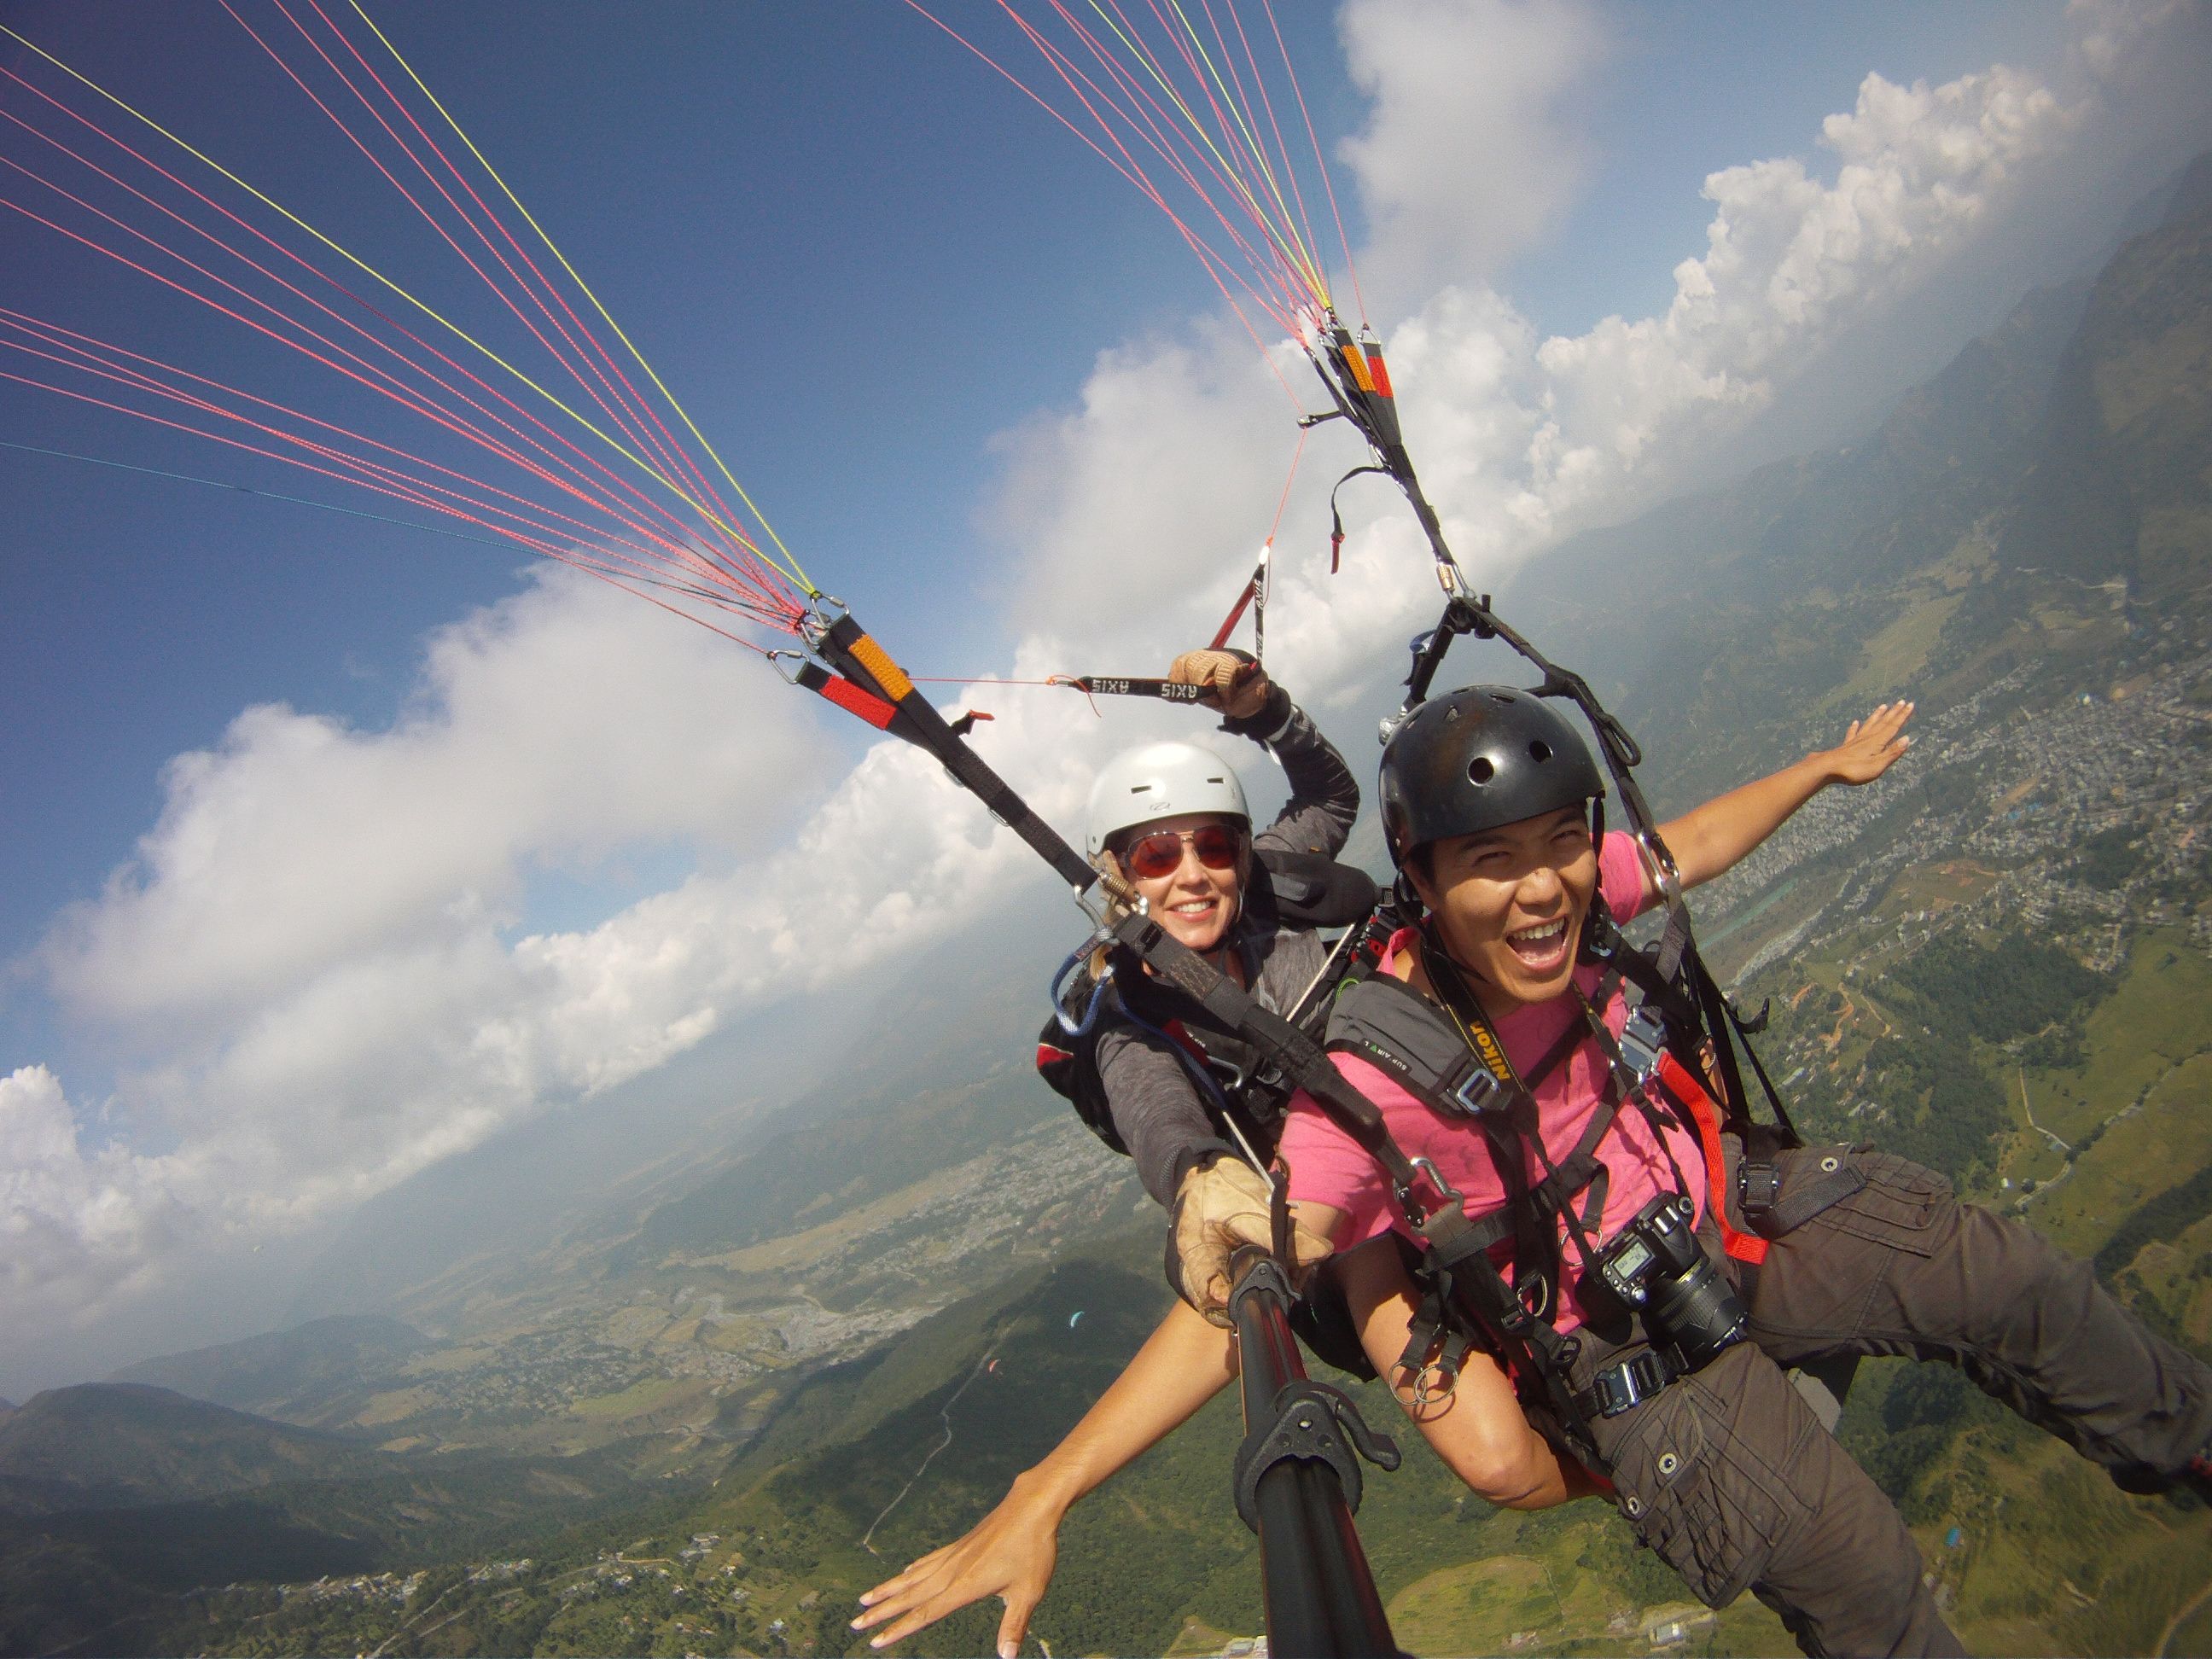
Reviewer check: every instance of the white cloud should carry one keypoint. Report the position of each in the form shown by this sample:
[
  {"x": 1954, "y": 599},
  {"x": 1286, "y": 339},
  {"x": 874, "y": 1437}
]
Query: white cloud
[
  {"x": 2108, "y": 34},
  {"x": 335, "y": 1047},
  {"x": 74, "y": 1223},
  {"x": 551, "y": 730},
  {"x": 1790, "y": 261},
  {"x": 1470, "y": 153}
]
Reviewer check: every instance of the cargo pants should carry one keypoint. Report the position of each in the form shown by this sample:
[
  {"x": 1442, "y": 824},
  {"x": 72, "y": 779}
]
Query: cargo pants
[{"x": 1730, "y": 1476}]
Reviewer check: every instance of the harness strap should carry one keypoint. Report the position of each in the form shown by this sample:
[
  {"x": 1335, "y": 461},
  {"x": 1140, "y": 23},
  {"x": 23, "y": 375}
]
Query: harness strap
[
  {"x": 1629, "y": 1383},
  {"x": 1682, "y": 1089}
]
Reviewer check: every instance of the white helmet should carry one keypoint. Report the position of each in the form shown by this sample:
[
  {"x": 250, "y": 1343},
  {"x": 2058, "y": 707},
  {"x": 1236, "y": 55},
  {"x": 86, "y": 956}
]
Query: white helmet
[{"x": 1161, "y": 781}]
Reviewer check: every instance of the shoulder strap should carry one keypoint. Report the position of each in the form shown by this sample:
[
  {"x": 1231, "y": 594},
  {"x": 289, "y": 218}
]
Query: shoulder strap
[{"x": 1310, "y": 889}]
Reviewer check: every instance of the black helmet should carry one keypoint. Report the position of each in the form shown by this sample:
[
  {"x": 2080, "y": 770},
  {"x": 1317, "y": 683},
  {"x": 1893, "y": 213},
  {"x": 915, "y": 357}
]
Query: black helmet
[{"x": 1485, "y": 755}]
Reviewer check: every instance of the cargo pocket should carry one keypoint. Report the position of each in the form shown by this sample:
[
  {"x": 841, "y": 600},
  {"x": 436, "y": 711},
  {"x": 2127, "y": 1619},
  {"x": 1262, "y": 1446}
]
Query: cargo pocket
[
  {"x": 1895, "y": 1204},
  {"x": 1702, "y": 1500}
]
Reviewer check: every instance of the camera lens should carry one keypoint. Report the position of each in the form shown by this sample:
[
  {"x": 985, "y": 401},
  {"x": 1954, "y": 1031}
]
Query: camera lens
[{"x": 1698, "y": 1311}]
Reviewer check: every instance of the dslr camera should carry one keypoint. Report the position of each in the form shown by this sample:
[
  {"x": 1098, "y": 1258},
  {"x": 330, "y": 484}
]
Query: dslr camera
[{"x": 1655, "y": 1265}]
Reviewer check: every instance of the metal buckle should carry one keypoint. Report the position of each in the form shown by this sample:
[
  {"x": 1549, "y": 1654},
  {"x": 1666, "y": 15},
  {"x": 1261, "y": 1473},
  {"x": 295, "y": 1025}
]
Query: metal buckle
[
  {"x": 1481, "y": 1093},
  {"x": 1628, "y": 1384},
  {"x": 1643, "y": 1039}
]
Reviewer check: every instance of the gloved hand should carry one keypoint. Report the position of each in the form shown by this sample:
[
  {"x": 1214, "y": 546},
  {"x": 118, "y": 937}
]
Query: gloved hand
[
  {"x": 1218, "y": 1209},
  {"x": 1236, "y": 685}
]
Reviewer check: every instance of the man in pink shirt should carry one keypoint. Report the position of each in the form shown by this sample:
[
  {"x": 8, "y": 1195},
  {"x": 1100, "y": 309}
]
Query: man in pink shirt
[{"x": 1497, "y": 1046}]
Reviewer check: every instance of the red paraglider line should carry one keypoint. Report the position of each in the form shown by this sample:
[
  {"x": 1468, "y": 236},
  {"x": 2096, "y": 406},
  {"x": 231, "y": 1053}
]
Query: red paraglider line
[
  {"x": 683, "y": 555},
  {"x": 1211, "y": 261},
  {"x": 1161, "y": 132},
  {"x": 1214, "y": 265},
  {"x": 570, "y": 556},
  {"x": 690, "y": 465},
  {"x": 1321, "y": 164},
  {"x": 429, "y": 218},
  {"x": 402, "y": 395},
  {"x": 763, "y": 572},
  {"x": 139, "y": 381}
]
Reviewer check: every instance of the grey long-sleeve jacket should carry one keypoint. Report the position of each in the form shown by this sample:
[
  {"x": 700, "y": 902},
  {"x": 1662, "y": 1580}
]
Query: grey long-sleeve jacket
[{"x": 1155, "y": 1107}]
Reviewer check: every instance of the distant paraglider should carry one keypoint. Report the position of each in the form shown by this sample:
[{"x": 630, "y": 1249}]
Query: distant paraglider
[{"x": 1073, "y": 1317}]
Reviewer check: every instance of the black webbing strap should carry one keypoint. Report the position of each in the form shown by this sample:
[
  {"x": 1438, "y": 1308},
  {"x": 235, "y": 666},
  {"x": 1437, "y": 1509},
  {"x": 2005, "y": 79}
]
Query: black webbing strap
[
  {"x": 847, "y": 647},
  {"x": 1336, "y": 517},
  {"x": 1726, "y": 1031},
  {"x": 1138, "y": 685},
  {"x": 1296, "y": 1056}
]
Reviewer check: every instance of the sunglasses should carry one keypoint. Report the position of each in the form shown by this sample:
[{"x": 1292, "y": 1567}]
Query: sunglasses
[{"x": 1218, "y": 845}]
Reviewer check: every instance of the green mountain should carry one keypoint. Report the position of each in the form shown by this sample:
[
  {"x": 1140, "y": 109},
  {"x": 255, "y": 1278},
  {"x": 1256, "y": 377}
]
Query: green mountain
[
  {"x": 118, "y": 1499},
  {"x": 320, "y": 1374},
  {"x": 103, "y": 1445}
]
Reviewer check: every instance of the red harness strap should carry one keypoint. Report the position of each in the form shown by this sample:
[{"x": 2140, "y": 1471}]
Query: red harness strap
[{"x": 1685, "y": 1090}]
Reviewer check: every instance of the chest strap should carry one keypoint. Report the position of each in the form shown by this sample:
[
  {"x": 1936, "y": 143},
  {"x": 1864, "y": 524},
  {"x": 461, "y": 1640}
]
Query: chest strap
[{"x": 1402, "y": 1035}]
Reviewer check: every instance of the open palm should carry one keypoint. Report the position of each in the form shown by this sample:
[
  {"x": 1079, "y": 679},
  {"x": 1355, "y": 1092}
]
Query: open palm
[{"x": 1872, "y": 746}]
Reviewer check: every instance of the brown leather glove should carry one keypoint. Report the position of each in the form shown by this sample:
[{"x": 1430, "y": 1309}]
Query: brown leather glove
[
  {"x": 1219, "y": 1208},
  {"x": 1234, "y": 684}
]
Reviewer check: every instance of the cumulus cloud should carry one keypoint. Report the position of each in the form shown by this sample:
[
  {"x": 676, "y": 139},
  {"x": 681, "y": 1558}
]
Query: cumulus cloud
[
  {"x": 548, "y": 731},
  {"x": 318, "y": 941},
  {"x": 1470, "y": 153},
  {"x": 1789, "y": 260},
  {"x": 76, "y": 1222}
]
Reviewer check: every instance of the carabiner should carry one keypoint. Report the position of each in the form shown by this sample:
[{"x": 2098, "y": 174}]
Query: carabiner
[
  {"x": 818, "y": 622},
  {"x": 1082, "y": 1027},
  {"x": 1451, "y": 1193}
]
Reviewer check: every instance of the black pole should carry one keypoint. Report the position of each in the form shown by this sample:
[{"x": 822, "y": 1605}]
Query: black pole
[{"x": 1290, "y": 1475}]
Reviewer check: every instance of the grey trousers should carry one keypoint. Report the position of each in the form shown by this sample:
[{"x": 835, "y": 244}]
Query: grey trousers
[{"x": 1730, "y": 1478}]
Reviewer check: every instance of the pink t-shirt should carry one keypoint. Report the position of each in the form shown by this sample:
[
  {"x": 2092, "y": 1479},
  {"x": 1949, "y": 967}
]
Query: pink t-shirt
[{"x": 1328, "y": 1166}]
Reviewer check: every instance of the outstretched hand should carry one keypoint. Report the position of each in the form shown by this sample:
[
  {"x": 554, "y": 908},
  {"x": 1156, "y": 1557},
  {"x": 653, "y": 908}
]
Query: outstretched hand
[
  {"x": 1871, "y": 747},
  {"x": 1237, "y": 687},
  {"x": 1009, "y": 1553}
]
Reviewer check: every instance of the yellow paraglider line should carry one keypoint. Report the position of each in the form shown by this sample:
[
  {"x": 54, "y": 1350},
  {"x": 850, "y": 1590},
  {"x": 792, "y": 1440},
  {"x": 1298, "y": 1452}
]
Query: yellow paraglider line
[
  {"x": 1286, "y": 240},
  {"x": 793, "y": 564},
  {"x": 361, "y": 264}
]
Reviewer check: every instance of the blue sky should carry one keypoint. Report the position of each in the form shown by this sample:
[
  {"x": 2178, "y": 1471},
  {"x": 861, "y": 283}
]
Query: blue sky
[{"x": 915, "y": 317}]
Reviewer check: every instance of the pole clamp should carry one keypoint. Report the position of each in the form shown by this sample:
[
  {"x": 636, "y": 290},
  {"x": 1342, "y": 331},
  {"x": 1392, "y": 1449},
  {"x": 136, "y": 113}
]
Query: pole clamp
[{"x": 1316, "y": 1422}]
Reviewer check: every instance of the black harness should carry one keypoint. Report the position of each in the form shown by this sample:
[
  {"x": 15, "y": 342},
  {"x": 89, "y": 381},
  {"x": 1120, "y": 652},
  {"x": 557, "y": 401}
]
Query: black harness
[
  {"x": 1475, "y": 1300},
  {"x": 1447, "y": 1055},
  {"x": 1241, "y": 1090}
]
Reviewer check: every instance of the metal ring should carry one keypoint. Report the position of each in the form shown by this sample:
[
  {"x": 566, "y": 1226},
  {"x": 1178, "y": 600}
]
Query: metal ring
[{"x": 1423, "y": 1394}]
